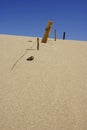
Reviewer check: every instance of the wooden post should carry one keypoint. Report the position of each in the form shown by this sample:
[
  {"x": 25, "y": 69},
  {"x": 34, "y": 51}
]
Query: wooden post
[
  {"x": 47, "y": 32},
  {"x": 64, "y": 36},
  {"x": 37, "y": 43},
  {"x": 55, "y": 35}
]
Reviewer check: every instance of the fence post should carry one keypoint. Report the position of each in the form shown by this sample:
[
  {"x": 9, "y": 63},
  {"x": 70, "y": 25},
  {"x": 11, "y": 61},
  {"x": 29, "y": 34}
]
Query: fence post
[
  {"x": 37, "y": 43},
  {"x": 47, "y": 32},
  {"x": 64, "y": 35},
  {"x": 55, "y": 35}
]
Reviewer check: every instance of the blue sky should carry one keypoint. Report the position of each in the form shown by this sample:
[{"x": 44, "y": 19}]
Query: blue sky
[{"x": 29, "y": 17}]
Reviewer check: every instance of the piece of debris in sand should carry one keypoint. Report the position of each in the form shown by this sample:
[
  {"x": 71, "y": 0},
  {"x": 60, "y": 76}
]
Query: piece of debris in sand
[
  {"x": 30, "y": 58},
  {"x": 29, "y": 41}
]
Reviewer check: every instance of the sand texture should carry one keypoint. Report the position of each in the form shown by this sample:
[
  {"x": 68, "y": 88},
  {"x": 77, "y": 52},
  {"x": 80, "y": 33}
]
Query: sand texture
[{"x": 47, "y": 93}]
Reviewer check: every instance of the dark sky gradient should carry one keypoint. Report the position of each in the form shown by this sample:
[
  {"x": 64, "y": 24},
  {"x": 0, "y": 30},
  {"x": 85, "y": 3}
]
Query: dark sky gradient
[{"x": 29, "y": 17}]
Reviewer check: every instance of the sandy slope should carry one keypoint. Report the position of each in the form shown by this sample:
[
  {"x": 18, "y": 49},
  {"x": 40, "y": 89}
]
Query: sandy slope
[{"x": 48, "y": 93}]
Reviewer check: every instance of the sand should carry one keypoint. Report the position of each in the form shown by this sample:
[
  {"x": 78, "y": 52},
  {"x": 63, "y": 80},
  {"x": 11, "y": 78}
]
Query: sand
[{"x": 47, "y": 93}]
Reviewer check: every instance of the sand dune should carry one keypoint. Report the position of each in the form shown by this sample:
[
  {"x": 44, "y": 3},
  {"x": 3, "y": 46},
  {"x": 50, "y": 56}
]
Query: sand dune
[{"x": 48, "y": 93}]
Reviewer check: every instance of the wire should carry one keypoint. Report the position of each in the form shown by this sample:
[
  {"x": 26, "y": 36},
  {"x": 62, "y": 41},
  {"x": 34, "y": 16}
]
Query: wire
[{"x": 21, "y": 56}]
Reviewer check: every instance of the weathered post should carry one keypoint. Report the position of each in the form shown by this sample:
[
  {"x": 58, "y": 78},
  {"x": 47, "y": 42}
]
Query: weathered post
[
  {"x": 64, "y": 35},
  {"x": 47, "y": 32},
  {"x": 55, "y": 35},
  {"x": 37, "y": 43}
]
